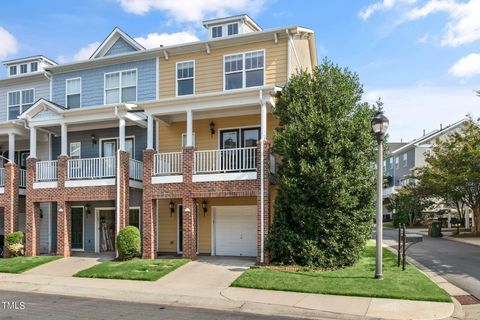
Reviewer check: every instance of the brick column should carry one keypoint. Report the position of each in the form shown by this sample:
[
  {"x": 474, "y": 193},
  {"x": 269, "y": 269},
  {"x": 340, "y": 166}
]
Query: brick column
[
  {"x": 123, "y": 188},
  {"x": 64, "y": 229},
  {"x": 11, "y": 200},
  {"x": 32, "y": 221},
  {"x": 266, "y": 196},
  {"x": 62, "y": 167},
  {"x": 189, "y": 217},
  {"x": 149, "y": 214}
]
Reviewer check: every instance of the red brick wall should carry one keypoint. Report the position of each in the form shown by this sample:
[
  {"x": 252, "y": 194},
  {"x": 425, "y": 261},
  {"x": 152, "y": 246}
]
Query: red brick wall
[{"x": 9, "y": 200}]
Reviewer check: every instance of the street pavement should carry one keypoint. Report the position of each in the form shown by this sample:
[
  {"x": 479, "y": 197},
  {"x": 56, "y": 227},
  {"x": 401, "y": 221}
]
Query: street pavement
[
  {"x": 47, "y": 306},
  {"x": 457, "y": 262}
]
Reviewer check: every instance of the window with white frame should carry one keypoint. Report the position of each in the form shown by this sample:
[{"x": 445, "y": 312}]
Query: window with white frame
[
  {"x": 73, "y": 92},
  {"x": 23, "y": 68},
  {"x": 405, "y": 160},
  {"x": 396, "y": 163},
  {"x": 217, "y": 31},
  {"x": 184, "y": 139},
  {"x": 13, "y": 70},
  {"x": 244, "y": 70},
  {"x": 19, "y": 101},
  {"x": 75, "y": 150},
  {"x": 232, "y": 29},
  {"x": 121, "y": 86},
  {"x": 185, "y": 78},
  {"x": 33, "y": 66}
]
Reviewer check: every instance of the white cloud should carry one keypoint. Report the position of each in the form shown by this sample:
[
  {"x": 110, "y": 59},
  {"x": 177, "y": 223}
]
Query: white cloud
[
  {"x": 192, "y": 10},
  {"x": 8, "y": 43},
  {"x": 366, "y": 12},
  {"x": 154, "y": 40},
  {"x": 82, "y": 54},
  {"x": 467, "y": 66},
  {"x": 412, "y": 109}
]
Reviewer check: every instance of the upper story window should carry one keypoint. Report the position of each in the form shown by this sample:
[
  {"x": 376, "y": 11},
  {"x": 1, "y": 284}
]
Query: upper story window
[
  {"x": 405, "y": 160},
  {"x": 23, "y": 68},
  {"x": 33, "y": 66},
  {"x": 185, "y": 78},
  {"x": 121, "y": 86},
  {"x": 244, "y": 70},
  {"x": 13, "y": 70},
  {"x": 19, "y": 101},
  {"x": 217, "y": 32},
  {"x": 75, "y": 150},
  {"x": 396, "y": 163},
  {"x": 232, "y": 29},
  {"x": 73, "y": 92}
]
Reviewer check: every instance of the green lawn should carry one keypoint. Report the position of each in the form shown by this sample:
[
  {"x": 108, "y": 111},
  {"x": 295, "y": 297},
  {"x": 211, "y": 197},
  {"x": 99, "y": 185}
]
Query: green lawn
[
  {"x": 21, "y": 264},
  {"x": 357, "y": 280},
  {"x": 136, "y": 269}
]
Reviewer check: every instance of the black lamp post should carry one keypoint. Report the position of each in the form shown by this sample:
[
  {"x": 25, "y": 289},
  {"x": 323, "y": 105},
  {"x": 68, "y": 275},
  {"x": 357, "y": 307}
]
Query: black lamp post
[{"x": 379, "y": 127}]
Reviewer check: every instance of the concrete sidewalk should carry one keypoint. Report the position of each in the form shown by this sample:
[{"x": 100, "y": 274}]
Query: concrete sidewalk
[{"x": 205, "y": 284}]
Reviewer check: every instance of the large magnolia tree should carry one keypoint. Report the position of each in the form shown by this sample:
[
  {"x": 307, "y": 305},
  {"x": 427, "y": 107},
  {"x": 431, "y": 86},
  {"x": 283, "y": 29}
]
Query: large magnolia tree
[{"x": 326, "y": 185}]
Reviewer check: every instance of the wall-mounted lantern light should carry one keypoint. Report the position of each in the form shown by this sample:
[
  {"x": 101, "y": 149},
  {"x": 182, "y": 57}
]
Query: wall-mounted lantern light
[
  {"x": 204, "y": 207},
  {"x": 41, "y": 214},
  {"x": 171, "y": 205},
  {"x": 94, "y": 139},
  {"x": 87, "y": 208},
  {"x": 212, "y": 128}
]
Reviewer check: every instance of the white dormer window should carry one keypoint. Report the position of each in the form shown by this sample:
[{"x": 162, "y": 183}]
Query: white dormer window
[
  {"x": 23, "y": 68},
  {"x": 217, "y": 32},
  {"x": 232, "y": 29},
  {"x": 13, "y": 70},
  {"x": 34, "y": 67}
]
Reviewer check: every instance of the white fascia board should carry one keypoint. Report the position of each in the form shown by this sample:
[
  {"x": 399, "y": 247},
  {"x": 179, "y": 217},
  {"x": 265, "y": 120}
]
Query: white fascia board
[
  {"x": 2, "y": 190},
  {"x": 90, "y": 183},
  {"x": 231, "y": 176},
  {"x": 45, "y": 185},
  {"x": 167, "y": 179},
  {"x": 141, "y": 122},
  {"x": 135, "y": 184}
]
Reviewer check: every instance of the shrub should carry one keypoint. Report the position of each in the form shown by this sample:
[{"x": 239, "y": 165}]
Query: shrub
[
  {"x": 128, "y": 242},
  {"x": 14, "y": 243}
]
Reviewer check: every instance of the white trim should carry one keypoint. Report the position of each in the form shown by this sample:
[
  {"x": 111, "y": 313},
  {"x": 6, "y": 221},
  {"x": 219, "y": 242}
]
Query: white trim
[
  {"x": 167, "y": 179},
  {"x": 20, "y": 105},
  {"x": 219, "y": 130},
  {"x": 66, "y": 89},
  {"x": 22, "y": 191},
  {"x": 102, "y": 48},
  {"x": 157, "y": 78},
  {"x": 97, "y": 226},
  {"x": 83, "y": 228},
  {"x": 176, "y": 78},
  {"x": 243, "y": 71},
  {"x": 233, "y": 176},
  {"x": 2, "y": 190},
  {"x": 89, "y": 183},
  {"x": 120, "y": 72},
  {"x": 139, "y": 216},
  {"x": 135, "y": 184},
  {"x": 185, "y": 135},
  {"x": 117, "y": 145},
  {"x": 45, "y": 185},
  {"x": 70, "y": 149}
]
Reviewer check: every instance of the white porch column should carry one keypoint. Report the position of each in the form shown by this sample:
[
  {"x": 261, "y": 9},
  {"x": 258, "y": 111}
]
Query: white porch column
[
  {"x": 263, "y": 122},
  {"x": 11, "y": 147},
  {"x": 64, "y": 137},
  {"x": 33, "y": 142},
  {"x": 189, "y": 129},
  {"x": 150, "y": 132},
  {"x": 121, "y": 127},
  {"x": 449, "y": 219},
  {"x": 467, "y": 218}
]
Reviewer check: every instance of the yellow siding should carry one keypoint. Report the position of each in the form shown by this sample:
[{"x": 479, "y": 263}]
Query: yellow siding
[
  {"x": 300, "y": 57},
  {"x": 167, "y": 227},
  {"x": 170, "y": 137},
  {"x": 209, "y": 67}
]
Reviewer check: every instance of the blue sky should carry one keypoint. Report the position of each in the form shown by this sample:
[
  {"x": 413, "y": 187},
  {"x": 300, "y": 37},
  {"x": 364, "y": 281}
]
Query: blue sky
[{"x": 422, "y": 57}]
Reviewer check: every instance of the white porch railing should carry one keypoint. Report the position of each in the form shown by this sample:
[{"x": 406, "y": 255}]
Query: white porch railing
[
  {"x": 225, "y": 160},
  {"x": 2, "y": 177},
  {"x": 22, "y": 173},
  {"x": 170, "y": 163},
  {"x": 46, "y": 171},
  {"x": 136, "y": 170},
  {"x": 91, "y": 168}
]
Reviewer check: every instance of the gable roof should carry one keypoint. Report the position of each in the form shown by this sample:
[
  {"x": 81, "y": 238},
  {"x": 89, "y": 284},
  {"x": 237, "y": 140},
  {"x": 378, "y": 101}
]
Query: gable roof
[
  {"x": 40, "y": 105},
  {"x": 112, "y": 38}
]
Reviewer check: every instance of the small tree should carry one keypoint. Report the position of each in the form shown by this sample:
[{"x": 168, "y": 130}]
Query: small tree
[
  {"x": 452, "y": 170},
  {"x": 408, "y": 204},
  {"x": 14, "y": 243},
  {"x": 325, "y": 201},
  {"x": 128, "y": 242}
]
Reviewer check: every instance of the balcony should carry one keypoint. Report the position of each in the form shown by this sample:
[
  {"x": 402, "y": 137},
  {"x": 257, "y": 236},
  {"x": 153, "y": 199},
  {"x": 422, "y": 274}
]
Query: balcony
[
  {"x": 22, "y": 183},
  {"x": 167, "y": 167},
  {"x": 91, "y": 168}
]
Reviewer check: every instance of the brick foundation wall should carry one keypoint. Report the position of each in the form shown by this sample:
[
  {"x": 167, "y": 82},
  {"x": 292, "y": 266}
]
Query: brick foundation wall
[{"x": 9, "y": 200}]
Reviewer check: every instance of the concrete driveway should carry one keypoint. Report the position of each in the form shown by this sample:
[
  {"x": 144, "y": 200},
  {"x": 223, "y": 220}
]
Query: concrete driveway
[{"x": 206, "y": 277}]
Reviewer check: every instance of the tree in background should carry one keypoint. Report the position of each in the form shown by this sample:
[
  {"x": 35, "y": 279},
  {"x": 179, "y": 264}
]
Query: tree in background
[
  {"x": 325, "y": 202},
  {"x": 452, "y": 170},
  {"x": 409, "y": 204}
]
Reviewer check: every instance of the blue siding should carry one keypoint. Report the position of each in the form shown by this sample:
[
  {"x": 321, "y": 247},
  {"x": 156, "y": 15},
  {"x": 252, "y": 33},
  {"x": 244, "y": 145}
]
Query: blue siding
[
  {"x": 90, "y": 150},
  {"x": 119, "y": 47},
  {"x": 93, "y": 82}
]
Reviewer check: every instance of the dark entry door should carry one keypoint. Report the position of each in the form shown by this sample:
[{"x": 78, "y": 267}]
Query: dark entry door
[
  {"x": 180, "y": 229},
  {"x": 77, "y": 228}
]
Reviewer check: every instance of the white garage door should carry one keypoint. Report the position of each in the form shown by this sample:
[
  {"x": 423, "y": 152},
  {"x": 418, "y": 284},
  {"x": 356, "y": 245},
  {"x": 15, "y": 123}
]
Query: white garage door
[{"x": 235, "y": 231}]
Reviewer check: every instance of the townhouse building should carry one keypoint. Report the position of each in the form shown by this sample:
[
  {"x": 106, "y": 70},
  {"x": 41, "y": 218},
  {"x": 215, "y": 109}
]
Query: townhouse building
[{"x": 174, "y": 140}]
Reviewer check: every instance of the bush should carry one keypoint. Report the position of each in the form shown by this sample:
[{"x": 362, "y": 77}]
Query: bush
[
  {"x": 14, "y": 243},
  {"x": 128, "y": 242}
]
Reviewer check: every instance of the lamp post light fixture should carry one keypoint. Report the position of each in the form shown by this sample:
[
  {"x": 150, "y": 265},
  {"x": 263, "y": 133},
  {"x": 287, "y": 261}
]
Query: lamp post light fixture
[
  {"x": 171, "y": 205},
  {"x": 379, "y": 127}
]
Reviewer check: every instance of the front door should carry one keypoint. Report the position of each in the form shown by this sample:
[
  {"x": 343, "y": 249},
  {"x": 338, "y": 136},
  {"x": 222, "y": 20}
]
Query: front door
[
  {"x": 109, "y": 147},
  {"x": 77, "y": 228},
  {"x": 106, "y": 230},
  {"x": 180, "y": 230}
]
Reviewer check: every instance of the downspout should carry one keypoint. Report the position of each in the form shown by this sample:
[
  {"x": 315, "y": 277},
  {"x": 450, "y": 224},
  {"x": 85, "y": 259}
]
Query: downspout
[
  {"x": 47, "y": 75},
  {"x": 262, "y": 188},
  {"x": 289, "y": 46},
  {"x": 117, "y": 202}
]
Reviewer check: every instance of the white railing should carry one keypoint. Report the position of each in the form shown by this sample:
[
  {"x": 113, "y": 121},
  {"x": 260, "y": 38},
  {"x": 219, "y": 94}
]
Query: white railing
[
  {"x": 22, "y": 173},
  {"x": 170, "y": 163},
  {"x": 46, "y": 170},
  {"x": 273, "y": 165},
  {"x": 2, "y": 177},
  {"x": 136, "y": 170},
  {"x": 91, "y": 168},
  {"x": 224, "y": 160}
]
